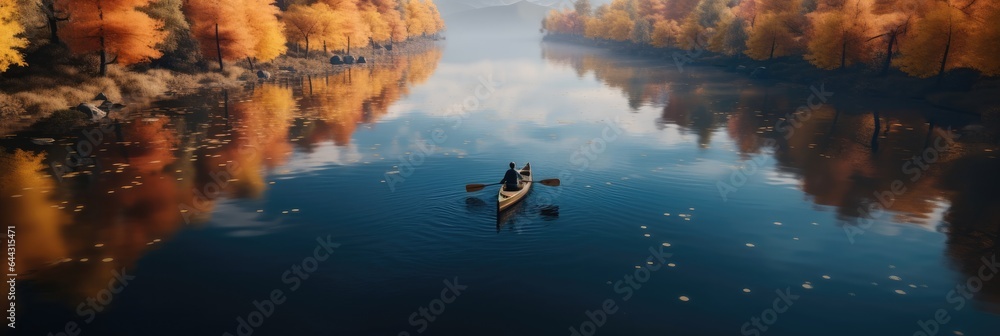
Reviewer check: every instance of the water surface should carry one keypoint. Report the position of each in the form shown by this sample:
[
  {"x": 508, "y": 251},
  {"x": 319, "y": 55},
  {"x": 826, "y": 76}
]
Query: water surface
[{"x": 210, "y": 200}]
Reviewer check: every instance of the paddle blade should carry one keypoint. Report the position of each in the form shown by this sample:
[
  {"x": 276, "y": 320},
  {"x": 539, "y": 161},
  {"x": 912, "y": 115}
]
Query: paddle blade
[
  {"x": 550, "y": 182},
  {"x": 474, "y": 187}
]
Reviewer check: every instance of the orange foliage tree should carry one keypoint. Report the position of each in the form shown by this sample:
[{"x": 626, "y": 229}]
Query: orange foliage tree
[
  {"x": 940, "y": 41},
  {"x": 347, "y": 28},
  {"x": 839, "y": 35},
  {"x": 773, "y": 34},
  {"x": 112, "y": 27},
  {"x": 304, "y": 22},
  {"x": 418, "y": 18},
  {"x": 262, "y": 21},
  {"x": 770, "y": 38},
  {"x": 985, "y": 47},
  {"x": 232, "y": 30}
]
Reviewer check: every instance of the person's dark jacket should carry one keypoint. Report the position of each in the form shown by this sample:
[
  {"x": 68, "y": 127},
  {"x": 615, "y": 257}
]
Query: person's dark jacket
[{"x": 511, "y": 178}]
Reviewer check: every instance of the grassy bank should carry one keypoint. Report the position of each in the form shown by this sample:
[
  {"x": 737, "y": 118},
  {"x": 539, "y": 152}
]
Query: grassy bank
[{"x": 31, "y": 95}]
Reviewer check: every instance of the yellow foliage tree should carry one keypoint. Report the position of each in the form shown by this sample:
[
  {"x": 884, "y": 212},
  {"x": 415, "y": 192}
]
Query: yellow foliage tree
[
  {"x": 262, "y": 21},
  {"x": 377, "y": 25},
  {"x": 938, "y": 42},
  {"x": 346, "y": 29},
  {"x": 593, "y": 27},
  {"x": 619, "y": 25},
  {"x": 436, "y": 15},
  {"x": 664, "y": 33},
  {"x": 730, "y": 37},
  {"x": 839, "y": 36},
  {"x": 388, "y": 13},
  {"x": 690, "y": 33},
  {"x": 303, "y": 23},
  {"x": 770, "y": 37},
  {"x": 10, "y": 36},
  {"x": 418, "y": 18}
]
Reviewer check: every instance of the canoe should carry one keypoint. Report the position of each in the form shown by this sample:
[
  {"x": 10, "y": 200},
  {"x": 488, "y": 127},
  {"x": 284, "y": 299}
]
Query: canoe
[{"x": 506, "y": 199}]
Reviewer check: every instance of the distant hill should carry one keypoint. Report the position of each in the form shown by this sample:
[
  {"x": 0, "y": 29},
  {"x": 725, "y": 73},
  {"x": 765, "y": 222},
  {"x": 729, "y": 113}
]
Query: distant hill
[{"x": 517, "y": 18}]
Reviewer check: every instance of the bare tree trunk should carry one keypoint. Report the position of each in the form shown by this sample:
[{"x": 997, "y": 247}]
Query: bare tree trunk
[
  {"x": 843, "y": 53},
  {"x": 53, "y": 21},
  {"x": 944, "y": 59},
  {"x": 218, "y": 46},
  {"x": 875, "y": 131},
  {"x": 773, "y": 42},
  {"x": 100, "y": 33},
  {"x": 888, "y": 52}
]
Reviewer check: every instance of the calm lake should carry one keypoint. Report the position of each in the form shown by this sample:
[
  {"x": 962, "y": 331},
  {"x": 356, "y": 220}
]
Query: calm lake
[{"x": 694, "y": 201}]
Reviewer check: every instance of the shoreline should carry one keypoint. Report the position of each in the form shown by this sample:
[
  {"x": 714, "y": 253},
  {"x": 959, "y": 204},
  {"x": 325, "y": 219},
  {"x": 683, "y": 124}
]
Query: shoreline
[
  {"x": 33, "y": 98},
  {"x": 961, "y": 92}
]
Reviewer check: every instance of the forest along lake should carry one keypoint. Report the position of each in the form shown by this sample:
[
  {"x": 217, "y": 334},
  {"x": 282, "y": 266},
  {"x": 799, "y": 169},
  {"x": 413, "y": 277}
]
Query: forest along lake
[{"x": 692, "y": 202}]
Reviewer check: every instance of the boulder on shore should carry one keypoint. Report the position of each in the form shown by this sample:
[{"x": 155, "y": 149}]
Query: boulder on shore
[
  {"x": 263, "y": 74},
  {"x": 95, "y": 114}
]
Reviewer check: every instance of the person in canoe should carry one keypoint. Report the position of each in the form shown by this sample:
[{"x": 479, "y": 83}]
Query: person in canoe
[{"x": 511, "y": 179}]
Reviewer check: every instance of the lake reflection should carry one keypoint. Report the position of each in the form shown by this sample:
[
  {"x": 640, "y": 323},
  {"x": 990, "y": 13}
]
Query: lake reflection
[
  {"x": 208, "y": 198},
  {"x": 845, "y": 153},
  {"x": 174, "y": 162}
]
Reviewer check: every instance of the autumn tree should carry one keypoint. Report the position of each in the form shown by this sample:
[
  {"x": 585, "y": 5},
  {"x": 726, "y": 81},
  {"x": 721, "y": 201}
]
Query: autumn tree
[
  {"x": 642, "y": 32},
  {"x": 180, "y": 50},
  {"x": 418, "y": 18},
  {"x": 939, "y": 42},
  {"x": 664, "y": 33},
  {"x": 691, "y": 31},
  {"x": 233, "y": 30},
  {"x": 583, "y": 7},
  {"x": 985, "y": 49},
  {"x": 303, "y": 22},
  {"x": 262, "y": 21},
  {"x": 747, "y": 10},
  {"x": 346, "y": 27},
  {"x": 112, "y": 27},
  {"x": 220, "y": 29},
  {"x": 51, "y": 16},
  {"x": 677, "y": 10},
  {"x": 11, "y": 40},
  {"x": 436, "y": 16},
  {"x": 839, "y": 35},
  {"x": 773, "y": 34},
  {"x": 892, "y": 19},
  {"x": 730, "y": 37},
  {"x": 711, "y": 11},
  {"x": 376, "y": 22},
  {"x": 388, "y": 16}
]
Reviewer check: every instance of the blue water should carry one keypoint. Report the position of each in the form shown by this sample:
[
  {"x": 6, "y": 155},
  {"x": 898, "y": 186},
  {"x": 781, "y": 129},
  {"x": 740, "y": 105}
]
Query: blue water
[{"x": 640, "y": 147}]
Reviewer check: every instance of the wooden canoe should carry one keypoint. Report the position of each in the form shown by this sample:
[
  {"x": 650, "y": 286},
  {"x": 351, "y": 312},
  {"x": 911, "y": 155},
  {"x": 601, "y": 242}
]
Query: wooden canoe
[{"x": 505, "y": 199}]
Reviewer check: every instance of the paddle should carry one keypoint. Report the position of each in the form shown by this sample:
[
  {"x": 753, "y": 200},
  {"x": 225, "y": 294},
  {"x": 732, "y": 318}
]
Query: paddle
[{"x": 479, "y": 186}]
